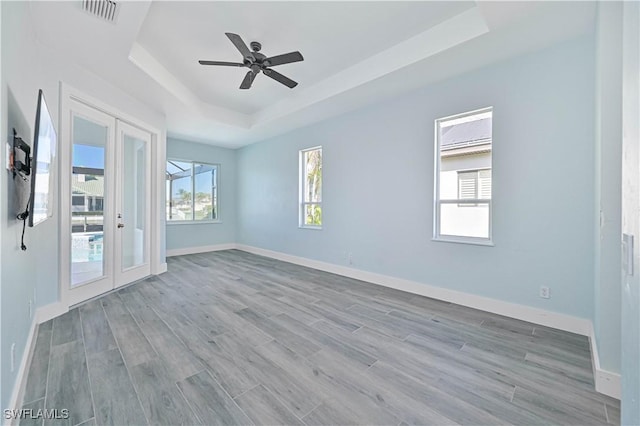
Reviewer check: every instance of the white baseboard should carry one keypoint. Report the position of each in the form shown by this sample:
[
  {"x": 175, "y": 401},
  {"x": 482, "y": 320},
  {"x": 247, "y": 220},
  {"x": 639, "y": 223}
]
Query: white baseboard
[
  {"x": 162, "y": 268},
  {"x": 50, "y": 311},
  {"x": 21, "y": 378},
  {"x": 607, "y": 382},
  {"x": 201, "y": 249},
  {"x": 522, "y": 312}
]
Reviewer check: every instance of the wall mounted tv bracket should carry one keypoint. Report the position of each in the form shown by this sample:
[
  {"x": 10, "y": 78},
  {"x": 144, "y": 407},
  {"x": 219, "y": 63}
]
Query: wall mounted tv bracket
[
  {"x": 22, "y": 168},
  {"x": 21, "y": 150}
]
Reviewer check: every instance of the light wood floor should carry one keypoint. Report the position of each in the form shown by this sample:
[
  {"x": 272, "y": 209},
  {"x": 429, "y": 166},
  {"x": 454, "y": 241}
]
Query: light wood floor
[{"x": 233, "y": 338}]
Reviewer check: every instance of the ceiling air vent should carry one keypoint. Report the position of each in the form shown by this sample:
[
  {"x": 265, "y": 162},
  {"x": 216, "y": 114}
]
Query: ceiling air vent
[{"x": 104, "y": 9}]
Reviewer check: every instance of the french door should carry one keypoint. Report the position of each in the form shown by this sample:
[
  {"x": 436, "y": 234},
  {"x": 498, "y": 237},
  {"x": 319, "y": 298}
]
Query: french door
[
  {"x": 133, "y": 204},
  {"x": 109, "y": 195}
]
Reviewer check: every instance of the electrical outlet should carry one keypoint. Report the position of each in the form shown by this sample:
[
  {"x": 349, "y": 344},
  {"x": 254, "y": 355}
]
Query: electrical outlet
[
  {"x": 545, "y": 292},
  {"x": 13, "y": 357}
]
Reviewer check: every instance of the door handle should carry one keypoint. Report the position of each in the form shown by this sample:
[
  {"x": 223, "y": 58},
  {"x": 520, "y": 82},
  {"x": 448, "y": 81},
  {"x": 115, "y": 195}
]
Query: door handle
[{"x": 121, "y": 225}]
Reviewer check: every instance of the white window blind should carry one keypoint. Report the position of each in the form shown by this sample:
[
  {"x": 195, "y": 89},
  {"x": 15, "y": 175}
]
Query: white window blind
[
  {"x": 474, "y": 185},
  {"x": 468, "y": 185},
  {"x": 484, "y": 184}
]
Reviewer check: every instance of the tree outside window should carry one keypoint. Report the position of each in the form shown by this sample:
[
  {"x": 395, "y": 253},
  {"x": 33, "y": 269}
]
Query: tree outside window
[{"x": 311, "y": 188}]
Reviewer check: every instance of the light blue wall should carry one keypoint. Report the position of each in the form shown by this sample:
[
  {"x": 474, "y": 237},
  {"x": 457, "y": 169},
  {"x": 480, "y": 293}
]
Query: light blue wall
[
  {"x": 37, "y": 268},
  {"x": 378, "y": 184},
  {"x": 206, "y": 234}
]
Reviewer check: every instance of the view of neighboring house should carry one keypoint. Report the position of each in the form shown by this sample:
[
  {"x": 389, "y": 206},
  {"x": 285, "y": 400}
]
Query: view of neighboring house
[
  {"x": 87, "y": 203},
  {"x": 465, "y": 176},
  {"x": 87, "y": 193}
]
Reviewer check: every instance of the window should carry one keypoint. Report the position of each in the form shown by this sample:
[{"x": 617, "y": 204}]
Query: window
[
  {"x": 192, "y": 191},
  {"x": 473, "y": 185},
  {"x": 77, "y": 200},
  {"x": 311, "y": 188},
  {"x": 463, "y": 177}
]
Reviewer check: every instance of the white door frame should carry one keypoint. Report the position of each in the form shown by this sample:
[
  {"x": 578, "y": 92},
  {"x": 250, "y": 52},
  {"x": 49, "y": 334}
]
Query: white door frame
[{"x": 158, "y": 156}]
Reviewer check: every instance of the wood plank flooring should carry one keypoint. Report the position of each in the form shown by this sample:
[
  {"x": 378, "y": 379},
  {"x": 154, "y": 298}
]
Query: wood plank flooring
[{"x": 233, "y": 338}]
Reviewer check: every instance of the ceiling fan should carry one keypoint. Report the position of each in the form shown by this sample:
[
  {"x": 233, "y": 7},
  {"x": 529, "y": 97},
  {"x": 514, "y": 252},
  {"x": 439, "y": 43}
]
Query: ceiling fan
[{"x": 257, "y": 62}]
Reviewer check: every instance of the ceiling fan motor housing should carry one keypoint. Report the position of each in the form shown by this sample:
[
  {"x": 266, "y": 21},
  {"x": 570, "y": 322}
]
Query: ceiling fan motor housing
[{"x": 255, "y": 46}]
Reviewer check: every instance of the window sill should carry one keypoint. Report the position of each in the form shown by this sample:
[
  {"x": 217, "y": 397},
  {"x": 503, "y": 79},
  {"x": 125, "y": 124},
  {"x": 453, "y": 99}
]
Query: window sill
[
  {"x": 462, "y": 240},
  {"x": 314, "y": 228},
  {"x": 193, "y": 222}
]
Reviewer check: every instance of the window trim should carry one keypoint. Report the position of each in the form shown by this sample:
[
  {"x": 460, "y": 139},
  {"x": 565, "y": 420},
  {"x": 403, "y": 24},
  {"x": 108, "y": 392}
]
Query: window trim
[
  {"x": 301, "y": 181},
  {"x": 218, "y": 178},
  {"x": 437, "y": 202}
]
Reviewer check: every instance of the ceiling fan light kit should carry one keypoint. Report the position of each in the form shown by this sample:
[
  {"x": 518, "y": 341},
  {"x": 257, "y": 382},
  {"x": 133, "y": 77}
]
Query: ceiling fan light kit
[{"x": 256, "y": 62}]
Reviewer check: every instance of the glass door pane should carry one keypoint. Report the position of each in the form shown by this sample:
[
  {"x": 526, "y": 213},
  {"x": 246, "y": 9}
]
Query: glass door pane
[
  {"x": 133, "y": 208},
  {"x": 134, "y": 196},
  {"x": 88, "y": 189}
]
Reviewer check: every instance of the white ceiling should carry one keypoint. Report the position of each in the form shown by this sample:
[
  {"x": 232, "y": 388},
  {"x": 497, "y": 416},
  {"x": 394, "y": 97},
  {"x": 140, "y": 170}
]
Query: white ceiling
[
  {"x": 355, "y": 53},
  {"x": 331, "y": 36}
]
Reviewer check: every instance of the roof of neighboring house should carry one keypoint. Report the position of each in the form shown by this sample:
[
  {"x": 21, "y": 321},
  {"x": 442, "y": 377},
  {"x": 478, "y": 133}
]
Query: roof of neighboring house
[
  {"x": 92, "y": 186},
  {"x": 465, "y": 134}
]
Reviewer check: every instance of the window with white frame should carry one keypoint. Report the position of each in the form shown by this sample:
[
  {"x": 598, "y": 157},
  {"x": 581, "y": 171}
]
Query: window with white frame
[
  {"x": 463, "y": 177},
  {"x": 311, "y": 188},
  {"x": 192, "y": 191}
]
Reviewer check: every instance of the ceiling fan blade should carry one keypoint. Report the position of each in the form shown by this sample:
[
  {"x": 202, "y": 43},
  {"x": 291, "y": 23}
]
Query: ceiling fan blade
[
  {"x": 287, "y": 58},
  {"x": 280, "y": 78},
  {"x": 240, "y": 45},
  {"x": 226, "y": 64},
  {"x": 248, "y": 80}
]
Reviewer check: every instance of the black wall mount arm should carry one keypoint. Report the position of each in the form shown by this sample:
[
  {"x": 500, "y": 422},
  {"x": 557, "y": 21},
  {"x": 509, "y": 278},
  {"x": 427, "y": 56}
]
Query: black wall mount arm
[{"x": 17, "y": 166}]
